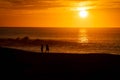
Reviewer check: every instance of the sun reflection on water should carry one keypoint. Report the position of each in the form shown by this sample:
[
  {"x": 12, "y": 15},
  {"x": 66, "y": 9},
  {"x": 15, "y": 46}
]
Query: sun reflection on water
[{"x": 82, "y": 36}]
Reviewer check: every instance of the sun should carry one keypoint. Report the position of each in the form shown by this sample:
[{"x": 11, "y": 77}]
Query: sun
[{"x": 83, "y": 13}]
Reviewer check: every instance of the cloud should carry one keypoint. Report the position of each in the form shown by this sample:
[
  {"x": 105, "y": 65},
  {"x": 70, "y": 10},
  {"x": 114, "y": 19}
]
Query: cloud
[
  {"x": 29, "y": 4},
  {"x": 107, "y": 3},
  {"x": 44, "y": 4},
  {"x": 99, "y": 4}
]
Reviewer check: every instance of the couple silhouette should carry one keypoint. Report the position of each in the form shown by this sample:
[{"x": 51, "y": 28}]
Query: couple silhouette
[{"x": 42, "y": 48}]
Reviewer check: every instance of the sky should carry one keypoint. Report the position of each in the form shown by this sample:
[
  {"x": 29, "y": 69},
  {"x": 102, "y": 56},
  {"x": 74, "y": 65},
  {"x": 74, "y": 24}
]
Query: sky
[{"x": 59, "y": 13}]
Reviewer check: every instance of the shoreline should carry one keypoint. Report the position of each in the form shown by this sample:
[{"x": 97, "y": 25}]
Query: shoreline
[{"x": 37, "y": 64}]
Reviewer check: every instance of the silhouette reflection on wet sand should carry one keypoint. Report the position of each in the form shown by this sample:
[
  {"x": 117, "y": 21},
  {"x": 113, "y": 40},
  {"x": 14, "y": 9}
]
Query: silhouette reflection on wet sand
[{"x": 46, "y": 48}]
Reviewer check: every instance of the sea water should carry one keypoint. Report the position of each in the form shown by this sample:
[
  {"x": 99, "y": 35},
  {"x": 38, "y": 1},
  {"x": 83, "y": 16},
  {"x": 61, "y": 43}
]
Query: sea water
[{"x": 81, "y": 40}]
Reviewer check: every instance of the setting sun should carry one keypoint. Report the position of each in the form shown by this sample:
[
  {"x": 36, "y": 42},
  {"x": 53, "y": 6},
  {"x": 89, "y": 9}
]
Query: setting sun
[{"x": 83, "y": 13}]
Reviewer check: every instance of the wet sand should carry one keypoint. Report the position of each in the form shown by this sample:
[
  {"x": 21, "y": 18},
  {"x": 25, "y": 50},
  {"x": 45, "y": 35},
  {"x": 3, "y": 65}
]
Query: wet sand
[{"x": 24, "y": 63}]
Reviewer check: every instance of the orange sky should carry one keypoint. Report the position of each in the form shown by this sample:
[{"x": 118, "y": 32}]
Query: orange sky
[{"x": 59, "y": 13}]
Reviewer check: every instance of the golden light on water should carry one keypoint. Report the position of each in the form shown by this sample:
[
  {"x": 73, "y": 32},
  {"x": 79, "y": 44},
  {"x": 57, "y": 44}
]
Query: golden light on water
[{"x": 82, "y": 38}]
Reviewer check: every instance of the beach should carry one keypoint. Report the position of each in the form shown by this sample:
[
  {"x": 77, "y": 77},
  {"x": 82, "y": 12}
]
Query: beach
[
  {"x": 72, "y": 53},
  {"x": 59, "y": 39},
  {"x": 33, "y": 64}
]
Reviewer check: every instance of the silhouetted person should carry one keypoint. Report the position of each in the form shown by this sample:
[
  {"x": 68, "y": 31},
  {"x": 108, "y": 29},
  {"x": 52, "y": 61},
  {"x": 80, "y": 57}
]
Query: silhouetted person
[
  {"x": 47, "y": 48},
  {"x": 42, "y": 48}
]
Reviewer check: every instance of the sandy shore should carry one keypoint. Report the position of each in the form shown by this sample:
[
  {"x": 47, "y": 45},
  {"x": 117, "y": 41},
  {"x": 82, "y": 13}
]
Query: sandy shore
[{"x": 27, "y": 63}]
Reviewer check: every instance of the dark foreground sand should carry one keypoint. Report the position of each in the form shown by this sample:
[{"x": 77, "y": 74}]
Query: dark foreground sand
[{"x": 30, "y": 64}]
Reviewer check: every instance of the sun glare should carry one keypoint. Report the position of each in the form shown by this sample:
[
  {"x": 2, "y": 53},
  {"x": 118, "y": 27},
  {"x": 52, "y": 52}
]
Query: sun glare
[{"x": 83, "y": 13}]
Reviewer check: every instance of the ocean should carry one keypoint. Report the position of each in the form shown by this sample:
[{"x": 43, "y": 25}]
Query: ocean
[{"x": 78, "y": 40}]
